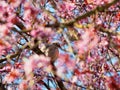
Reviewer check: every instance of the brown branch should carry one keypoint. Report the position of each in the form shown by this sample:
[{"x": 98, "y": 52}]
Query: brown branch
[
  {"x": 108, "y": 31},
  {"x": 113, "y": 65},
  {"x": 58, "y": 79},
  {"x": 15, "y": 30},
  {"x": 45, "y": 85},
  {"x": 54, "y": 78},
  {"x": 74, "y": 84},
  {"x": 10, "y": 56},
  {"x": 26, "y": 46},
  {"x": 89, "y": 13}
]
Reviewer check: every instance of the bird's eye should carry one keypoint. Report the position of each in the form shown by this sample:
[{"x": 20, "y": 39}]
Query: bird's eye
[{"x": 57, "y": 44}]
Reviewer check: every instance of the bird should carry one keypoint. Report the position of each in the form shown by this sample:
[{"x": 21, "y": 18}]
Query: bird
[{"x": 52, "y": 51}]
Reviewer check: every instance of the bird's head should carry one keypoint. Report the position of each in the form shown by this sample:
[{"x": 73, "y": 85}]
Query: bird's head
[{"x": 57, "y": 44}]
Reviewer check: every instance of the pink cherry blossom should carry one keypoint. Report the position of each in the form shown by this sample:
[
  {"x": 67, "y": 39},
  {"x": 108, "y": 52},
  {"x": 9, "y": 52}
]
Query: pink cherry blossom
[{"x": 84, "y": 32}]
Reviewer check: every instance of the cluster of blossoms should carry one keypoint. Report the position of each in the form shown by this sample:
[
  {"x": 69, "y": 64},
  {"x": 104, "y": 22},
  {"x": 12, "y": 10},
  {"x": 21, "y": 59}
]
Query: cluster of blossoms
[{"x": 88, "y": 34}]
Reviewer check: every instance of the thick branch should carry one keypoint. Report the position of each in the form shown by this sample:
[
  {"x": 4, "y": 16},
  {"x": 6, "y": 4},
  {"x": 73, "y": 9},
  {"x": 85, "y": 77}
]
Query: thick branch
[
  {"x": 89, "y": 13},
  {"x": 34, "y": 49}
]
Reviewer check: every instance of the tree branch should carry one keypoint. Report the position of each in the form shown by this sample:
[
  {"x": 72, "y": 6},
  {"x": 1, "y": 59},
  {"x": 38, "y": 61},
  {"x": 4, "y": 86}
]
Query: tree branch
[
  {"x": 89, "y": 13},
  {"x": 26, "y": 46},
  {"x": 10, "y": 56},
  {"x": 45, "y": 85},
  {"x": 54, "y": 78}
]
